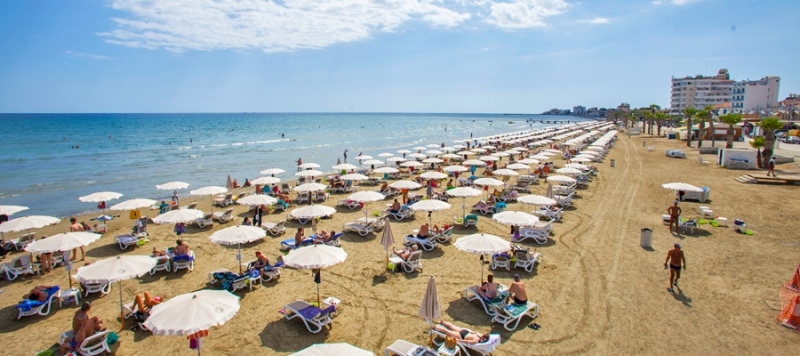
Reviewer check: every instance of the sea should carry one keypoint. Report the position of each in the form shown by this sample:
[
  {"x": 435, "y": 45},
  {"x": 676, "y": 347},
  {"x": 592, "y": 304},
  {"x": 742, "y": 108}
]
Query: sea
[{"x": 47, "y": 161}]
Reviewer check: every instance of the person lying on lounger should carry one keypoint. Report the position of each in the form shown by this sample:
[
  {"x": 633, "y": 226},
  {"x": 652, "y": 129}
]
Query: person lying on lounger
[
  {"x": 482, "y": 205},
  {"x": 145, "y": 303},
  {"x": 406, "y": 252},
  {"x": 423, "y": 231},
  {"x": 37, "y": 294},
  {"x": 157, "y": 253},
  {"x": 460, "y": 334},
  {"x": 384, "y": 187}
]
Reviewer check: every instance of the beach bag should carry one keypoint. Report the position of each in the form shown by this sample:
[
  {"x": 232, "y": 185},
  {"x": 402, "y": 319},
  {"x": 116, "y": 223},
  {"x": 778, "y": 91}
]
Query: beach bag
[{"x": 450, "y": 343}]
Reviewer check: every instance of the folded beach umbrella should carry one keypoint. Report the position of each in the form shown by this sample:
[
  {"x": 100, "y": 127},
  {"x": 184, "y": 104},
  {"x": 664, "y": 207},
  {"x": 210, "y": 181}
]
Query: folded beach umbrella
[
  {"x": 238, "y": 235},
  {"x": 483, "y": 244},
  {"x": 265, "y": 181},
  {"x": 272, "y": 171},
  {"x": 192, "y": 314},
  {"x": 405, "y": 184},
  {"x": 229, "y": 183},
  {"x": 315, "y": 257},
  {"x": 430, "y": 309},
  {"x": 549, "y": 192},
  {"x": 63, "y": 242},
  {"x": 309, "y": 173},
  {"x": 133, "y": 204},
  {"x": 178, "y": 216},
  {"x": 338, "y": 349},
  {"x": 257, "y": 199},
  {"x": 429, "y": 205},
  {"x": 387, "y": 239},
  {"x": 463, "y": 193},
  {"x": 515, "y": 218},
  {"x": 172, "y": 186},
  {"x": 433, "y": 175},
  {"x": 11, "y": 209},
  {"x": 344, "y": 166},
  {"x": 26, "y": 223}
]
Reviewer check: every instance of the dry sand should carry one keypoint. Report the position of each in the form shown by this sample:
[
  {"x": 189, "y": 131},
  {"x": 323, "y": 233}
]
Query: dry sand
[{"x": 599, "y": 292}]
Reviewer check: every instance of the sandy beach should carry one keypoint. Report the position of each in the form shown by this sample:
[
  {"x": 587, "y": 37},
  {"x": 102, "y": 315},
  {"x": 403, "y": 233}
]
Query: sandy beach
[{"x": 599, "y": 292}]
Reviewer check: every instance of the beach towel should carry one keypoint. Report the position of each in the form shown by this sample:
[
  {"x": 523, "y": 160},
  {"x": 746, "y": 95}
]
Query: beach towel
[
  {"x": 27, "y": 304},
  {"x": 515, "y": 309},
  {"x": 227, "y": 279},
  {"x": 500, "y": 298},
  {"x": 312, "y": 312}
]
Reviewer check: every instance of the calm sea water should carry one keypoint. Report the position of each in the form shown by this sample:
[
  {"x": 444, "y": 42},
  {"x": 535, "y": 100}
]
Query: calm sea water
[{"x": 131, "y": 153}]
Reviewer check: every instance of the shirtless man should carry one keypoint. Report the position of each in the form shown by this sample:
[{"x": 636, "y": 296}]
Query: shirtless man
[
  {"x": 299, "y": 236},
  {"x": 83, "y": 326},
  {"x": 384, "y": 187},
  {"x": 489, "y": 289},
  {"x": 37, "y": 294},
  {"x": 517, "y": 289},
  {"x": 423, "y": 231},
  {"x": 674, "y": 259},
  {"x": 261, "y": 262},
  {"x": 180, "y": 248},
  {"x": 395, "y": 206},
  {"x": 75, "y": 227},
  {"x": 674, "y": 212}
]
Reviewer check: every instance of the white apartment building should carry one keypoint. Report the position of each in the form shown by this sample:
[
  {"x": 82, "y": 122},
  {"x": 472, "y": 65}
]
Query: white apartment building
[
  {"x": 579, "y": 110},
  {"x": 700, "y": 91},
  {"x": 749, "y": 96}
]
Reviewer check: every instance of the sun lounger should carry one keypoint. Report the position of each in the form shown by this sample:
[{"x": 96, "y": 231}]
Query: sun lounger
[
  {"x": 205, "y": 221},
  {"x": 103, "y": 288},
  {"x": 29, "y": 307},
  {"x": 523, "y": 186},
  {"x": 501, "y": 261},
  {"x": 285, "y": 189},
  {"x": 362, "y": 229},
  {"x": 427, "y": 244},
  {"x": 538, "y": 233},
  {"x": 481, "y": 348},
  {"x": 303, "y": 197},
  {"x": 289, "y": 244},
  {"x": 404, "y": 348},
  {"x": 511, "y": 315},
  {"x": 334, "y": 241},
  {"x": 269, "y": 272},
  {"x": 162, "y": 264},
  {"x": 320, "y": 196},
  {"x": 564, "y": 200},
  {"x": 471, "y": 294},
  {"x": 413, "y": 263},
  {"x": 225, "y": 216},
  {"x": 554, "y": 215},
  {"x": 526, "y": 261},
  {"x": 19, "y": 265},
  {"x": 391, "y": 192},
  {"x": 352, "y": 204},
  {"x": 191, "y": 206},
  {"x": 127, "y": 240},
  {"x": 274, "y": 229},
  {"x": 99, "y": 229},
  {"x": 497, "y": 208},
  {"x": 471, "y": 220},
  {"x": 281, "y": 205},
  {"x": 183, "y": 262},
  {"x": 313, "y": 317},
  {"x": 224, "y": 200},
  {"x": 445, "y": 236},
  {"x": 21, "y": 242},
  {"x": 401, "y": 214}
]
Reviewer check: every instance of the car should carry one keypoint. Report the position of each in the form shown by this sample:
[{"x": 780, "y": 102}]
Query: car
[{"x": 791, "y": 139}]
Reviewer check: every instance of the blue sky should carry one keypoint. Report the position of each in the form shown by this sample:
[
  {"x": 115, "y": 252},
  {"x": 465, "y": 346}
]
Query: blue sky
[{"x": 490, "y": 56}]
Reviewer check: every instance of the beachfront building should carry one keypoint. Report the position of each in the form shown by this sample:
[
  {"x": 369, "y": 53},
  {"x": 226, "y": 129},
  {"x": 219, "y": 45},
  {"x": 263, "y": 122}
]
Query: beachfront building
[
  {"x": 749, "y": 96},
  {"x": 624, "y": 107},
  {"x": 789, "y": 108},
  {"x": 579, "y": 110},
  {"x": 700, "y": 91}
]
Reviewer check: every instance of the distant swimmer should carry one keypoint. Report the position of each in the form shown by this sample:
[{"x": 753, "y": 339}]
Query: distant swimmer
[
  {"x": 65, "y": 138},
  {"x": 190, "y": 140},
  {"x": 109, "y": 136},
  {"x": 283, "y": 135}
]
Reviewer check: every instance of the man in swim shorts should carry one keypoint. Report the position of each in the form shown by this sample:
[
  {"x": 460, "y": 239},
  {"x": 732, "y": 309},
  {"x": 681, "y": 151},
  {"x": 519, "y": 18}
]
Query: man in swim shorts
[
  {"x": 674, "y": 212},
  {"x": 519, "y": 295},
  {"x": 674, "y": 259}
]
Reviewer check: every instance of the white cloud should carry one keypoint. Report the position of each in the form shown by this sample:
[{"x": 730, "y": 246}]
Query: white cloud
[
  {"x": 674, "y": 2},
  {"x": 88, "y": 55},
  {"x": 268, "y": 25},
  {"x": 596, "y": 20},
  {"x": 524, "y": 13}
]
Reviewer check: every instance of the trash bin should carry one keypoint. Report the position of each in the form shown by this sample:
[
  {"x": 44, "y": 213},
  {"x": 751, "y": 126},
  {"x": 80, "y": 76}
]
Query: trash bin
[
  {"x": 612, "y": 163},
  {"x": 647, "y": 238}
]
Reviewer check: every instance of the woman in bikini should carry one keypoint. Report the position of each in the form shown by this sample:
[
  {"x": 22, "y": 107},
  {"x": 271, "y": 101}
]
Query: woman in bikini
[{"x": 460, "y": 334}]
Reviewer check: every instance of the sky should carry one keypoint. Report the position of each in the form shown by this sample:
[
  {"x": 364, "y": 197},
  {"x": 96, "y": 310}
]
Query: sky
[{"x": 429, "y": 56}]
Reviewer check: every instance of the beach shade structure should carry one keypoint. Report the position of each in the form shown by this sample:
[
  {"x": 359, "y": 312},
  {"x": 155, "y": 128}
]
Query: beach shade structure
[
  {"x": 682, "y": 187},
  {"x": 429, "y": 205},
  {"x": 265, "y": 181},
  {"x": 433, "y": 152},
  {"x": 354, "y": 177},
  {"x": 500, "y": 154},
  {"x": 490, "y": 147},
  {"x": 309, "y": 173},
  {"x": 396, "y": 159},
  {"x": 418, "y": 155},
  {"x": 459, "y": 146},
  {"x": 133, "y": 204},
  {"x": 518, "y": 167},
  {"x": 432, "y": 145},
  {"x": 316, "y": 258},
  {"x": 411, "y": 164},
  {"x": 581, "y": 159},
  {"x": 386, "y": 170},
  {"x": 209, "y": 190},
  {"x": 63, "y": 243},
  {"x": 337, "y": 349},
  {"x": 116, "y": 269},
  {"x": 272, "y": 171},
  {"x": 172, "y": 186},
  {"x": 366, "y": 196},
  {"x": 594, "y": 148},
  {"x": 541, "y": 157},
  {"x": 529, "y": 161},
  {"x": 386, "y": 154},
  {"x": 432, "y": 160},
  {"x": 430, "y": 309},
  {"x": 491, "y": 182},
  {"x": 505, "y": 173},
  {"x": 387, "y": 239},
  {"x": 488, "y": 158},
  {"x": 308, "y": 165},
  {"x": 451, "y": 156},
  {"x": 463, "y": 193},
  {"x": 553, "y": 151},
  {"x": 468, "y": 153},
  {"x": 258, "y": 199},
  {"x": 433, "y": 175},
  {"x": 582, "y": 167},
  {"x": 238, "y": 235},
  {"x": 404, "y": 151},
  {"x": 192, "y": 314},
  {"x": 537, "y": 200},
  {"x": 344, "y": 166},
  {"x": 588, "y": 153},
  {"x": 515, "y": 218},
  {"x": 11, "y": 209},
  {"x": 312, "y": 211},
  {"x": 419, "y": 148},
  {"x": 100, "y": 197},
  {"x": 405, "y": 184},
  {"x": 561, "y": 179},
  {"x": 373, "y": 162},
  {"x": 569, "y": 171},
  {"x": 474, "y": 162},
  {"x": 483, "y": 244},
  {"x": 178, "y": 216},
  {"x": 453, "y": 169},
  {"x": 520, "y": 149},
  {"x": 310, "y": 187},
  {"x": 27, "y": 223},
  {"x": 363, "y": 157}
]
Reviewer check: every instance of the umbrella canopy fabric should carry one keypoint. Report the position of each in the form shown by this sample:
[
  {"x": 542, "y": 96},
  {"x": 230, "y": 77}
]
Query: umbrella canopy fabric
[
  {"x": 100, "y": 197},
  {"x": 11, "y": 209},
  {"x": 463, "y": 192},
  {"x": 515, "y": 218},
  {"x": 235, "y": 235},
  {"x": 594, "y": 148},
  {"x": 339, "y": 349},
  {"x": 549, "y": 192},
  {"x": 430, "y": 309},
  {"x": 229, "y": 183},
  {"x": 28, "y": 223},
  {"x": 411, "y": 164},
  {"x": 272, "y": 171},
  {"x": 345, "y": 166},
  {"x": 375, "y": 162},
  {"x": 403, "y": 151},
  {"x": 366, "y": 196},
  {"x": 450, "y": 155},
  {"x": 505, "y": 172},
  {"x": 312, "y": 211},
  {"x": 483, "y": 244},
  {"x": 684, "y": 187},
  {"x": 405, "y": 184},
  {"x": 386, "y": 154},
  {"x": 190, "y": 313},
  {"x": 257, "y": 199},
  {"x": 433, "y": 152},
  {"x": 488, "y": 158},
  {"x": 580, "y": 159},
  {"x": 209, "y": 190},
  {"x": 172, "y": 186},
  {"x": 561, "y": 179},
  {"x": 386, "y": 170},
  {"x": 265, "y": 180},
  {"x": 474, "y": 162},
  {"x": 433, "y": 175},
  {"x": 309, "y": 173},
  {"x": 354, "y": 176},
  {"x": 115, "y": 269},
  {"x": 577, "y": 166},
  {"x": 418, "y": 155},
  {"x": 314, "y": 257},
  {"x": 308, "y": 165},
  {"x": 455, "y": 169},
  {"x": 470, "y": 153},
  {"x": 536, "y": 200},
  {"x": 529, "y": 161},
  {"x": 310, "y": 187},
  {"x": 178, "y": 216},
  {"x": 133, "y": 204},
  {"x": 500, "y": 154},
  {"x": 387, "y": 238},
  {"x": 62, "y": 242},
  {"x": 432, "y": 145},
  {"x": 517, "y": 166},
  {"x": 363, "y": 157},
  {"x": 396, "y": 159},
  {"x": 488, "y": 181},
  {"x": 567, "y": 170},
  {"x": 430, "y": 205}
]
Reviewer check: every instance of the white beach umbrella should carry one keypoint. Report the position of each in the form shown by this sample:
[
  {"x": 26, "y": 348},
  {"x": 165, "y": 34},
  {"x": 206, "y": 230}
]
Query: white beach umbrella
[
  {"x": 404, "y": 151},
  {"x": 515, "y": 218},
  {"x": 684, "y": 187},
  {"x": 309, "y": 173},
  {"x": 308, "y": 165},
  {"x": 490, "y": 147},
  {"x": 11, "y": 209},
  {"x": 430, "y": 309},
  {"x": 116, "y": 269},
  {"x": 594, "y": 148},
  {"x": 459, "y": 146},
  {"x": 238, "y": 235},
  {"x": 432, "y": 145},
  {"x": 402, "y": 184},
  {"x": 488, "y": 182},
  {"x": 455, "y": 169},
  {"x": 463, "y": 193},
  {"x": 386, "y": 154},
  {"x": 451, "y": 156},
  {"x": 529, "y": 161},
  {"x": 386, "y": 170},
  {"x": 312, "y": 211},
  {"x": 100, "y": 197},
  {"x": 432, "y": 160},
  {"x": 26, "y": 223},
  {"x": 419, "y": 148},
  {"x": 546, "y": 154},
  {"x": 344, "y": 166},
  {"x": 366, "y": 196},
  {"x": 553, "y": 151},
  {"x": 577, "y": 166},
  {"x": 567, "y": 170},
  {"x": 265, "y": 181},
  {"x": 354, "y": 176},
  {"x": 433, "y": 175},
  {"x": 433, "y": 152},
  {"x": 468, "y": 153},
  {"x": 178, "y": 216},
  {"x": 561, "y": 179},
  {"x": 209, "y": 190},
  {"x": 500, "y": 154},
  {"x": 488, "y": 158},
  {"x": 580, "y": 159},
  {"x": 483, "y": 244},
  {"x": 429, "y": 205},
  {"x": 518, "y": 166},
  {"x": 338, "y": 349},
  {"x": 271, "y": 171},
  {"x": 505, "y": 172},
  {"x": 589, "y": 153},
  {"x": 315, "y": 257},
  {"x": 173, "y": 186},
  {"x": 192, "y": 313},
  {"x": 449, "y": 149},
  {"x": 520, "y": 149},
  {"x": 542, "y": 157},
  {"x": 536, "y": 200},
  {"x": 474, "y": 162},
  {"x": 375, "y": 162},
  {"x": 257, "y": 199},
  {"x": 133, "y": 204},
  {"x": 396, "y": 159},
  {"x": 417, "y": 155},
  {"x": 63, "y": 242},
  {"x": 411, "y": 164},
  {"x": 310, "y": 187},
  {"x": 363, "y": 157}
]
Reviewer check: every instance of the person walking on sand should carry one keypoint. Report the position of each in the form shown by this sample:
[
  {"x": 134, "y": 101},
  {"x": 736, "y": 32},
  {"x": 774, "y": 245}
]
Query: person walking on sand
[
  {"x": 771, "y": 166},
  {"x": 674, "y": 212},
  {"x": 674, "y": 259},
  {"x": 75, "y": 227},
  {"x": 345, "y": 155}
]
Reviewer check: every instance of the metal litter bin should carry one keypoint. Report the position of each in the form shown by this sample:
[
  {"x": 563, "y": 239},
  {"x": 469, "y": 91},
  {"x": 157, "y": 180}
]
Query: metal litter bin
[
  {"x": 612, "y": 163},
  {"x": 647, "y": 238}
]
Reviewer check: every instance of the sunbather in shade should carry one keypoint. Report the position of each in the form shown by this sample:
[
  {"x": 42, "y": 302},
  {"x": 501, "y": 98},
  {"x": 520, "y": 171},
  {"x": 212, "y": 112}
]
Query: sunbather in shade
[
  {"x": 423, "y": 231},
  {"x": 145, "y": 303},
  {"x": 460, "y": 334},
  {"x": 299, "y": 236},
  {"x": 406, "y": 252},
  {"x": 488, "y": 289}
]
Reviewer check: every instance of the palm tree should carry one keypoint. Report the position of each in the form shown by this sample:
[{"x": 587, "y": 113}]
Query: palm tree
[
  {"x": 653, "y": 109},
  {"x": 731, "y": 119},
  {"x": 689, "y": 113},
  {"x": 702, "y": 116},
  {"x": 769, "y": 125},
  {"x": 758, "y": 143},
  {"x": 662, "y": 118},
  {"x": 710, "y": 109}
]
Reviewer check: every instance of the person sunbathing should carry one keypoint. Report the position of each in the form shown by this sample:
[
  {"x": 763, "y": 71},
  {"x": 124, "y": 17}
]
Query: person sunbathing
[
  {"x": 482, "y": 205},
  {"x": 157, "y": 253},
  {"x": 460, "y": 334},
  {"x": 299, "y": 236},
  {"x": 488, "y": 289},
  {"x": 492, "y": 200},
  {"x": 423, "y": 231},
  {"x": 450, "y": 184},
  {"x": 246, "y": 183},
  {"x": 419, "y": 179},
  {"x": 37, "y": 294},
  {"x": 235, "y": 184},
  {"x": 83, "y": 326},
  {"x": 260, "y": 263},
  {"x": 144, "y": 304},
  {"x": 385, "y": 187},
  {"x": 181, "y": 249},
  {"x": 406, "y": 252}
]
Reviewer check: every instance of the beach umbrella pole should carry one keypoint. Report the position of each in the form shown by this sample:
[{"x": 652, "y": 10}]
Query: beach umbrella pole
[
  {"x": 121, "y": 313},
  {"x": 239, "y": 258}
]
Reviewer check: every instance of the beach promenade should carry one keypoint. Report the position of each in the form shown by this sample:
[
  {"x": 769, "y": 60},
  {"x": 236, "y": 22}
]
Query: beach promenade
[{"x": 598, "y": 291}]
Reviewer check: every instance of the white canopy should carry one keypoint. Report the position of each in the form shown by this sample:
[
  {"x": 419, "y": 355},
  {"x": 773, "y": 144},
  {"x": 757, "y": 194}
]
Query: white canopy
[
  {"x": 561, "y": 179},
  {"x": 515, "y": 218},
  {"x": 483, "y": 244},
  {"x": 375, "y": 162},
  {"x": 210, "y": 190},
  {"x": 338, "y": 349},
  {"x": 11, "y": 209},
  {"x": 363, "y": 157},
  {"x": 99, "y": 197},
  {"x": 272, "y": 171},
  {"x": 386, "y": 170},
  {"x": 308, "y": 165},
  {"x": 405, "y": 184},
  {"x": 488, "y": 158},
  {"x": 536, "y": 200},
  {"x": 474, "y": 162},
  {"x": 345, "y": 166},
  {"x": 312, "y": 211},
  {"x": 464, "y": 192},
  {"x": 529, "y": 161},
  {"x": 235, "y": 235},
  {"x": 316, "y": 256},
  {"x": 115, "y": 269},
  {"x": 684, "y": 187},
  {"x": 366, "y": 196},
  {"x": 133, "y": 204},
  {"x": 568, "y": 170},
  {"x": 354, "y": 176},
  {"x": 257, "y": 199},
  {"x": 411, "y": 164},
  {"x": 309, "y": 173},
  {"x": 62, "y": 242},
  {"x": 190, "y": 313},
  {"x": 432, "y": 160},
  {"x": 178, "y": 216},
  {"x": 265, "y": 180},
  {"x": 386, "y": 154},
  {"x": 172, "y": 186},
  {"x": 417, "y": 155},
  {"x": 433, "y": 175},
  {"x": 27, "y": 223},
  {"x": 505, "y": 172},
  {"x": 455, "y": 169},
  {"x": 517, "y": 166},
  {"x": 430, "y": 205},
  {"x": 396, "y": 159},
  {"x": 488, "y": 181}
]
